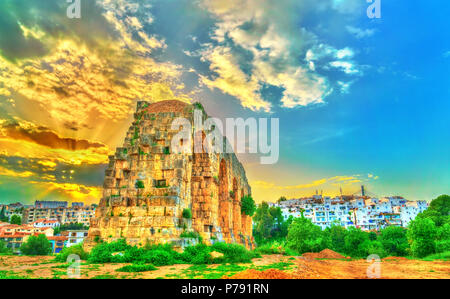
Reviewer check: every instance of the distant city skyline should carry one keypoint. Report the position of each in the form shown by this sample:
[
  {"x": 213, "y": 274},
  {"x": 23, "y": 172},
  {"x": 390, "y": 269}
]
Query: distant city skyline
[{"x": 360, "y": 100}]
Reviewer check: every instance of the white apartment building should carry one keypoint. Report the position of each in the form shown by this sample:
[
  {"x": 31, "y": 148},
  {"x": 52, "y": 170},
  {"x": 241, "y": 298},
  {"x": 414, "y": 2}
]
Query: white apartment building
[{"x": 357, "y": 211}]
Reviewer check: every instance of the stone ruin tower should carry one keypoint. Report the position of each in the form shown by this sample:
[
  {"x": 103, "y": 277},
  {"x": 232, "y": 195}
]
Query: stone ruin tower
[{"x": 147, "y": 188}]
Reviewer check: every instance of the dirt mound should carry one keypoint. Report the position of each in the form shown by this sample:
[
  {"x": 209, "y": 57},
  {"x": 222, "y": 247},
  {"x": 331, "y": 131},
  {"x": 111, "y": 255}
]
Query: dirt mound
[
  {"x": 266, "y": 274},
  {"x": 166, "y": 106},
  {"x": 324, "y": 254}
]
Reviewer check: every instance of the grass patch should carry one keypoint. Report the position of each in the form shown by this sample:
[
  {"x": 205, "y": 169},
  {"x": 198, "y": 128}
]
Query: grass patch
[
  {"x": 10, "y": 275},
  {"x": 104, "y": 276},
  {"x": 137, "y": 268},
  {"x": 445, "y": 256}
]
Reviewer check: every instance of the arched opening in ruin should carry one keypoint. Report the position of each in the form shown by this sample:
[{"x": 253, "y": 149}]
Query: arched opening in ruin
[{"x": 224, "y": 207}]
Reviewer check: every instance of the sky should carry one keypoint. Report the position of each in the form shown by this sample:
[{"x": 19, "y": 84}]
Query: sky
[{"x": 360, "y": 101}]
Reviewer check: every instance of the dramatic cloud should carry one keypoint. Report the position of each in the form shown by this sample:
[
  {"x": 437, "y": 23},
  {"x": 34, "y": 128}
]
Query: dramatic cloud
[
  {"x": 43, "y": 136},
  {"x": 260, "y": 43},
  {"x": 95, "y": 67}
]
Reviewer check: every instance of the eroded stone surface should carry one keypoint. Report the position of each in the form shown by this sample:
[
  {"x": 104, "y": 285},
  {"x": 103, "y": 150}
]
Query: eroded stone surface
[{"x": 147, "y": 187}]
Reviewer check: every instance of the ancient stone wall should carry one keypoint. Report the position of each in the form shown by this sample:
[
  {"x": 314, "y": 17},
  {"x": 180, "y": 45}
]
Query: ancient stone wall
[{"x": 147, "y": 187}]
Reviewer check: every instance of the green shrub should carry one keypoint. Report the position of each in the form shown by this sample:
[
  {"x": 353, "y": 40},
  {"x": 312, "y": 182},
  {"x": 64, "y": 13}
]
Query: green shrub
[
  {"x": 354, "y": 240},
  {"x": 233, "y": 253},
  {"x": 422, "y": 233},
  {"x": 159, "y": 257},
  {"x": 274, "y": 247},
  {"x": 3, "y": 249},
  {"x": 36, "y": 245},
  {"x": 198, "y": 254},
  {"x": 102, "y": 252},
  {"x": 438, "y": 256},
  {"x": 304, "y": 236},
  {"x": 139, "y": 184},
  {"x": 75, "y": 249},
  {"x": 442, "y": 246},
  {"x": 187, "y": 214},
  {"x": 369, "y": 247},
  {"x": 394, "y": 240},
  {"x": 137, "y": 268},
  {"x": 248, "y": 206}
]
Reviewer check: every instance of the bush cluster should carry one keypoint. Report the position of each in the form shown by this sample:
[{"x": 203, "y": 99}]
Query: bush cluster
[
  {"x": 428, "y": 234},
  {"x": 161, "y": 255},
  {"x": 75, "y": 249}
]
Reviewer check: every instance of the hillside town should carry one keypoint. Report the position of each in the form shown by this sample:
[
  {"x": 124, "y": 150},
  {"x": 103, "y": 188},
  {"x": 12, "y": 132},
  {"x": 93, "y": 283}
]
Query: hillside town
[
  {"x": 364, "y": 212},
  {"x": 360, "y": 211},
  {"x": 45, "y": 217}
]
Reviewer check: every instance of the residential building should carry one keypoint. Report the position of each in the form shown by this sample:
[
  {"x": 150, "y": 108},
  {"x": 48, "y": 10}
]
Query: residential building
[
  {"x": 46, "y": 223},
  {"x": 74, "y": 236},
  {"x": 50, "y": 204},
  {"x": 364, "y": 212},
  {"x": 58, "y": 243},
  {"x": 74, "y": 214}
]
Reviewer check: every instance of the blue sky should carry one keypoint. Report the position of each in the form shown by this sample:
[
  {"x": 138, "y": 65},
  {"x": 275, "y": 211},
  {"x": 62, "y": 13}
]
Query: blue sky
[{"x": 360, "y": 101}]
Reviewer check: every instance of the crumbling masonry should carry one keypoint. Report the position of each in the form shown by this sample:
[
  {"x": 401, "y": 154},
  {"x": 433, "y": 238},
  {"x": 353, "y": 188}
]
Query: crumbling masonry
[{"x": 147, "y": 187}]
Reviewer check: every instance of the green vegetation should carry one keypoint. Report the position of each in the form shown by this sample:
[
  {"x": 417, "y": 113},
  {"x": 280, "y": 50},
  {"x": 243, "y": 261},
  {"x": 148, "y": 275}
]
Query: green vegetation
[
  {"x": 304, "y": 236},
  {"x": 429, "y": 233},
  {"x": 36, "y": 245},
  {"x": 4, "y": 250},
  {"x": 187, "y": 214},
  {"x": 3, "y": 217},
  {"x": 75, "y": 249},
  {"x": 139, "y": 184},
  {"x": 10, "y": 275},
  {"x": 190, "y": 234},
  {"x": 70, "y": 226},
  {"x": 225, "y": 270},
  {"x": 137, "y": 268},
  {"x": 16, "y": 219},
  {"x": 248, "y": 206},
  {"x": 428, "y": 236},
  {"x": 438, "y": 256},
  {"x": 269, "y": 224},
  {"x": 162, "y": 255}
]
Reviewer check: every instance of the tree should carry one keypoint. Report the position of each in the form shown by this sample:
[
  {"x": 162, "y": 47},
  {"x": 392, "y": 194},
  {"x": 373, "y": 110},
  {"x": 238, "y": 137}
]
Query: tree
[
  {"x": 304, "y": 236},
  {"x": 394, "y": 240},
  {"x": 337, "y": 235},
  {"x": 422, "y": 233},
  {"x": 187, "y": 213},
  {"x": 36, "y": 245},
  {"x": 282, "y": 198},
  {"x": 139, "y": 184},
  {"x": 16, "y": 219},
  {"x": 438, "y": 211},
  {"x": 443, "y": 238},
  {"x": 3, "y": 217},
  {"x": 248, "y": 206},
  {"x": 263, "y": 223},
  {"x": 353, "y": 242},
  {"x": 4, "y": 249}
]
